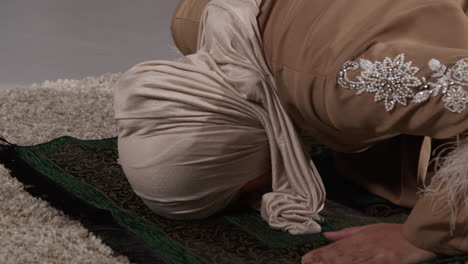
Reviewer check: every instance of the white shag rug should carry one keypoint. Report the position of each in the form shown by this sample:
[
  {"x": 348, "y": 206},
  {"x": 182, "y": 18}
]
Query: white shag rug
[{"x": 31, "y": 231}]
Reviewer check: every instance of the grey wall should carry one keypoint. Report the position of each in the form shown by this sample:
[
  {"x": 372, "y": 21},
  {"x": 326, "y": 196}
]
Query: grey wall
[{"x": 51, "y": 39}]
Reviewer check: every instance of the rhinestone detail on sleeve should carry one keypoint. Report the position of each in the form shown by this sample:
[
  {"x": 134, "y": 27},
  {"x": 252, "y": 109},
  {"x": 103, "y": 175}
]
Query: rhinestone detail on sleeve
[{"x": 394, "y": 81}]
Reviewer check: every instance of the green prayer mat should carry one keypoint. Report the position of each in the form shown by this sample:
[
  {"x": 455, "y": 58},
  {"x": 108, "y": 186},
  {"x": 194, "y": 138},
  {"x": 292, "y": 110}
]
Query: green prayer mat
[{"x": 87, "y": 170}]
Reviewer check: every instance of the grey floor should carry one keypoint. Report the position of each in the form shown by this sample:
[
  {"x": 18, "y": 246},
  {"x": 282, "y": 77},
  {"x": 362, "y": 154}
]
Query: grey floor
[{"x": 52, "y": 39}]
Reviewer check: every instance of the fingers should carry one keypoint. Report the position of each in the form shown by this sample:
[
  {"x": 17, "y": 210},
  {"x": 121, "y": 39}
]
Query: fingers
[
  {"x": 344, "y": 233},
  {"x": 344, "y": 251},
  {"x": 329, "y": 253},
  {"x": 371, "y": 244}
]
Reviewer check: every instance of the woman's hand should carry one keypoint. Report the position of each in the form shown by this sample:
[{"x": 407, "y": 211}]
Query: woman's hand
[{"x": 371, "y": 244}]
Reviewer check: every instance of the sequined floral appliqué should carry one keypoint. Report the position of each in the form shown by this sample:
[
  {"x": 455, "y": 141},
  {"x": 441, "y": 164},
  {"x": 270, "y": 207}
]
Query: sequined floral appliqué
[{"x": 394, "y": 81}]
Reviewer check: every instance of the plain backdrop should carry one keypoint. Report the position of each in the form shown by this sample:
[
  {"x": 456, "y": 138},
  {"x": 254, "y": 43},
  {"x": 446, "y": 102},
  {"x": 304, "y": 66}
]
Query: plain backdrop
[{"x": 51, "y": 39}]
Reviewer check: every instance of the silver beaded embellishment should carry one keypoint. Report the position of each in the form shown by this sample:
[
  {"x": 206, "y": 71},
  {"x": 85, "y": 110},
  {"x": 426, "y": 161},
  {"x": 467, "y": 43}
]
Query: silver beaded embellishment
[
  {"x": 450, "y": 83},
  {"x": 394, "y": 80}
]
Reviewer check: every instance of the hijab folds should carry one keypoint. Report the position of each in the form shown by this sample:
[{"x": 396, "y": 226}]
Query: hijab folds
[{"x": 193, "y": 131}]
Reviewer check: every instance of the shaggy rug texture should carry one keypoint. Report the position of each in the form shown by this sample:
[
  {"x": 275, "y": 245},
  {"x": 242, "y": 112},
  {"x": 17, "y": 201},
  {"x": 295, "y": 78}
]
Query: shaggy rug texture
[{"x": 31, "y": 231}]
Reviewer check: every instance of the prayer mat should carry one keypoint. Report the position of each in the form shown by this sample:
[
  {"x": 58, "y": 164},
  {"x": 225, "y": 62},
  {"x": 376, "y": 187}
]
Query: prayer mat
[{"x": 83, "y": 179}]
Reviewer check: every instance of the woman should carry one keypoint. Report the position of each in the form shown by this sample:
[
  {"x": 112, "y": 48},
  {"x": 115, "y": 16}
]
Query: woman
[{"x": 379, "y": 82}]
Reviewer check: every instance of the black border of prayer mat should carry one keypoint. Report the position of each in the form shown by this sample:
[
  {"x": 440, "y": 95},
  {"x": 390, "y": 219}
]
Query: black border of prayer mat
[{"x": 83, "y": 179}]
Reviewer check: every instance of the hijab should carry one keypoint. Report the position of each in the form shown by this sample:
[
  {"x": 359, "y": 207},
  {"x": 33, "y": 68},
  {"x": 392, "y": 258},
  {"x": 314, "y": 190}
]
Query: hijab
[{"x": 193, "y": 131}]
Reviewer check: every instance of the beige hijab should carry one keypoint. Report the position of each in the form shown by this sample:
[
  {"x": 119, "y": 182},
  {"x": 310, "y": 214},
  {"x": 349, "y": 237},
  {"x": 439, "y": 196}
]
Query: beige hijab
[{"x": 192, "y": 132}]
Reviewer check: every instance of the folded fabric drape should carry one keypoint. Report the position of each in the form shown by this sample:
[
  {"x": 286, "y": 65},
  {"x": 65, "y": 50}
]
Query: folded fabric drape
[{"x": 193, "y": 131}]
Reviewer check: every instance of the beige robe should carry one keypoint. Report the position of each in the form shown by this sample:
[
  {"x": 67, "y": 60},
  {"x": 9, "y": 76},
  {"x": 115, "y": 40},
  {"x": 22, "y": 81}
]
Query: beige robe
[{"x": 307, "y": 43}]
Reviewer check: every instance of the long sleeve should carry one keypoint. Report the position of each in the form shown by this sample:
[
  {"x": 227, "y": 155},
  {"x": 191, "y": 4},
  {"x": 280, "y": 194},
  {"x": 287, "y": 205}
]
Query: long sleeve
[
  {"x": 439, "y": 220},
  {"x": 430, "y": 231},
  {"x": 391, "y": 171}
]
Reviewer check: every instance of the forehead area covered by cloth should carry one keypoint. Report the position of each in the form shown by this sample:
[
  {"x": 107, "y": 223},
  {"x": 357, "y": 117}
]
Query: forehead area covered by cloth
[
  {"x": 193, "y": 171},
  {"x": 209, "y": 154}
]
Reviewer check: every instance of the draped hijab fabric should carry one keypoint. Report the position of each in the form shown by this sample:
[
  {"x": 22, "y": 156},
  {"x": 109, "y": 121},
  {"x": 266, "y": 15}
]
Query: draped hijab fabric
[{"x": 193, "y": 131}]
